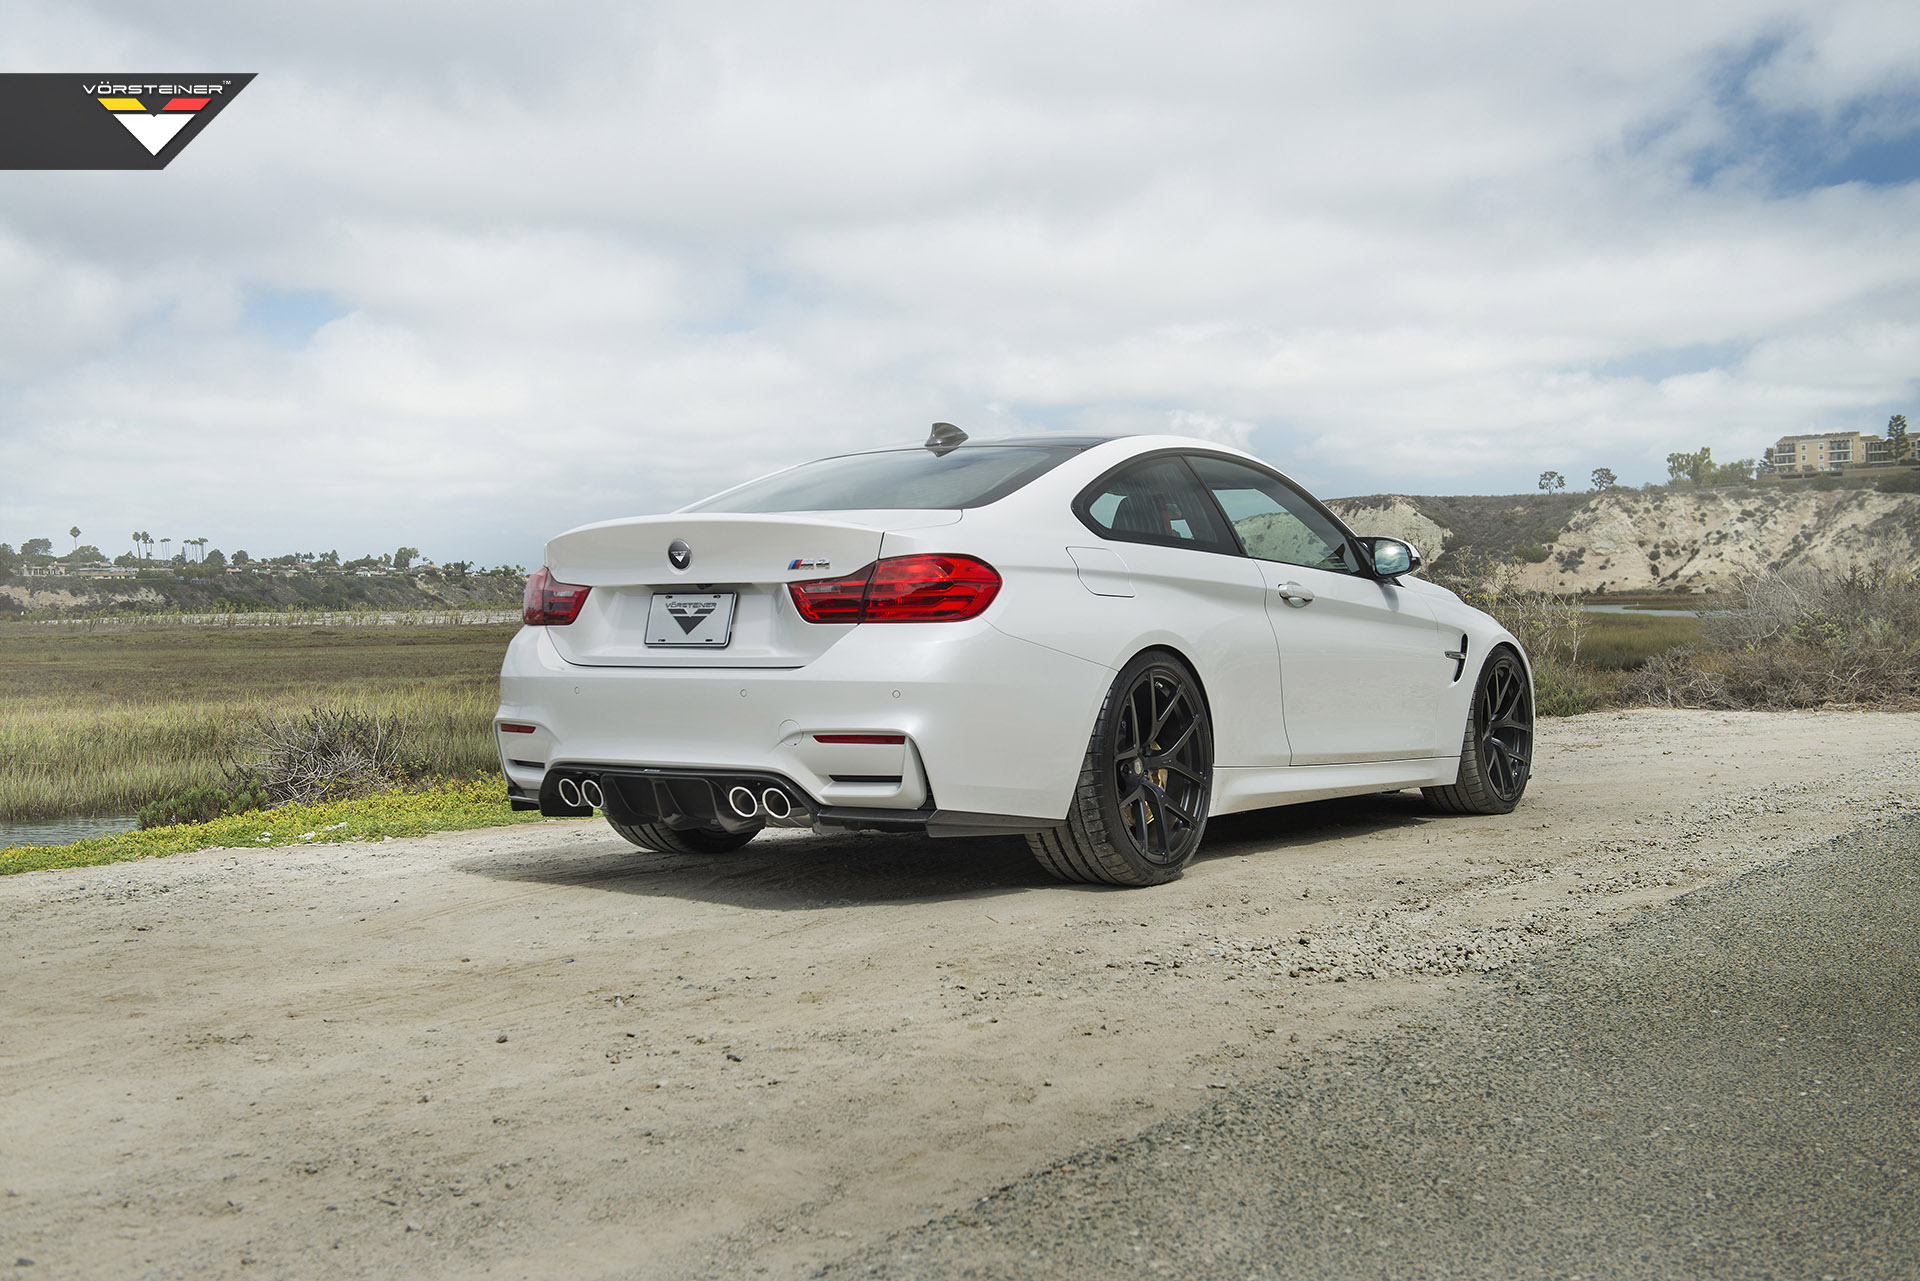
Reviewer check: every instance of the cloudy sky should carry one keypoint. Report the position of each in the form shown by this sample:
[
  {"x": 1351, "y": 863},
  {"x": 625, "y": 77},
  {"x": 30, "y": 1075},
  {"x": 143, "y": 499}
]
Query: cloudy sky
[{"x": 459, "y": 275}]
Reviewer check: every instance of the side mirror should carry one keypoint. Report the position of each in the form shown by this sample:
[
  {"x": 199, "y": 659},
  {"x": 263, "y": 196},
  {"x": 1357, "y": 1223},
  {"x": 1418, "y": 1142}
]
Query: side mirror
[{"x": 1392, "y": 558}]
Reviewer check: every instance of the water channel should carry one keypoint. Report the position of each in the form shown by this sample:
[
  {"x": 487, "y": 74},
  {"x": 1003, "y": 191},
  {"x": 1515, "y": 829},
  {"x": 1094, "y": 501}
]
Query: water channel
[{"x": 61, "y": 831}]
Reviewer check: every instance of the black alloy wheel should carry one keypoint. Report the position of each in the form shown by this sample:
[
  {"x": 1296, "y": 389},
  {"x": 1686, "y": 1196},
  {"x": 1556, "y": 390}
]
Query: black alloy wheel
[
  {"x": 1496, "y": 755},
  {"x": 1141, "y": 807}
]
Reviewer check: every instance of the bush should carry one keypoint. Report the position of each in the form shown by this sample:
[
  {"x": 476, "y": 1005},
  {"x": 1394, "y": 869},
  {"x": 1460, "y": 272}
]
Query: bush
[
  {"x": 1566, "y": 689},
  {"x": 201, "y": 805},
  {"x": 325, "y": 754},
  {"x": 1800, "y": 640},
  {"x": 1901, "y": 482},
  {"x": 1530, "y": 553}
]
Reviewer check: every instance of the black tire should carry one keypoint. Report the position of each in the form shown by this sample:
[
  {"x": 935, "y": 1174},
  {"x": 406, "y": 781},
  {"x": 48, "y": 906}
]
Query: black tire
[
  {"x": 1140, "y": 808},
  {"x": 667, "y": 840},
  {"x": 1496, "y": 751}
]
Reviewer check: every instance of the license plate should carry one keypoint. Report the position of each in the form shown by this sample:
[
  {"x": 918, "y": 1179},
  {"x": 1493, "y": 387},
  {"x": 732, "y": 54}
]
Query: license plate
[{"x": 691, "y": 619}]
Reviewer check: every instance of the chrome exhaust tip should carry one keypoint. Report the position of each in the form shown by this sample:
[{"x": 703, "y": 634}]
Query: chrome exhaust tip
[
  {"x": 742, "y": 802},
  {"x": 569, "y": 791},
  {"x": 776, "y": 803},
  {"x": 590, "y": 794}
]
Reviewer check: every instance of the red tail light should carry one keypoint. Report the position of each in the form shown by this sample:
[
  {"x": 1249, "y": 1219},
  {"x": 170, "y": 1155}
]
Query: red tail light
[
  {"x": 549, "y": 602},
  {"x": 901, "y": 589}
]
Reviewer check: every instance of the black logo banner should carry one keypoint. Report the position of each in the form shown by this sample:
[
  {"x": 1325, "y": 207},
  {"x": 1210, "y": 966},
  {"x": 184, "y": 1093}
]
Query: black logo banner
[{"x": 108, "y": 121}]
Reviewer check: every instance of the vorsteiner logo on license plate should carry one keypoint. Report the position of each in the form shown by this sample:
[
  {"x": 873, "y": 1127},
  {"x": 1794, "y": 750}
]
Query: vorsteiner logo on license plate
[{"x": 688, "y": 618}]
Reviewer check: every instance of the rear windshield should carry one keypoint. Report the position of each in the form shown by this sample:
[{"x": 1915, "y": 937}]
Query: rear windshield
[{"x": 912, "y": 479}]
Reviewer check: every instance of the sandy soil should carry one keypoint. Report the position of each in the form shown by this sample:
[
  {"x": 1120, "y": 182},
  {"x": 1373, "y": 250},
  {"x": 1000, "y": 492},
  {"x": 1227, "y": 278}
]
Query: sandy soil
[{"x": 538, "y": 1052}]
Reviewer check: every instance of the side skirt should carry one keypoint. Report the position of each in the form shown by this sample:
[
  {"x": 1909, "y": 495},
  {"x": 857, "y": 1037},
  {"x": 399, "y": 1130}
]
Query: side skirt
[{"x": 1238, "y": 788}]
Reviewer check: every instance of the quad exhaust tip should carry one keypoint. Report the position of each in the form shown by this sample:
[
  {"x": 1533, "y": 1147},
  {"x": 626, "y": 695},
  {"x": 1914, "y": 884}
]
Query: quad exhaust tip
[
  {"x": 584, "y": 792},
  {"x": 742, "y": 801}
]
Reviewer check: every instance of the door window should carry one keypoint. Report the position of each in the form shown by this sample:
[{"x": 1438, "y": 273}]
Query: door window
[
  {"x": 1157, "y": 501},
  {"x": 1275, "y": 521}
]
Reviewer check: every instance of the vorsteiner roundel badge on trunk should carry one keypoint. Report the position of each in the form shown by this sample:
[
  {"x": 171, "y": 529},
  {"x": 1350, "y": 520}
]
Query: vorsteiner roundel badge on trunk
[{"x": 679, "y": 553}]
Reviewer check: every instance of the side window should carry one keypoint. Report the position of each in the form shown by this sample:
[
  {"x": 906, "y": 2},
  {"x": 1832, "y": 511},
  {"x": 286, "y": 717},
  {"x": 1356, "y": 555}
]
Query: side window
[
  {"x": 1154, "y": 502},
  {"x": 1273, "y": 520}
]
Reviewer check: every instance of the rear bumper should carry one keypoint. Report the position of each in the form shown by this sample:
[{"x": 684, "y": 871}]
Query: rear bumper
[{"x": 994, "y": 728}]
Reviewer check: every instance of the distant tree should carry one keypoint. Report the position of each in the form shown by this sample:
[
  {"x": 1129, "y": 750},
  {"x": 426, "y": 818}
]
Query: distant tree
[
  {"x": 74, "y": 534},
  {"x": 405, "y": 557},
  {"x": 87, "y": 555},
  {"x": 1551, "y": 481},
  {"x": 331, "y": 559},
  {"x": 1731, "y": 473},
  {"x": 1902, "y": 448},
  {"x": 1694, "y": 466},
  {"x": 457, "y": 569},
  {"x": 37, "y": 547},
  {"x": 1604, "y": 479},
  {"x": 241, "y": 558},
  {"x": 214, "y": 560},
  {"x": 201, "y": 543},
  {"x": 7, "y": 562},
  {"x": 127, "y": 560},
  {"x": 164, "y": 544}
]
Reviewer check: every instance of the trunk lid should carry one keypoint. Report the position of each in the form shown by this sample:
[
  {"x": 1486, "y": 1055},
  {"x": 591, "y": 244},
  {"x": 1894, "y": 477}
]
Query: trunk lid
[{"x": 748, "y": 556}]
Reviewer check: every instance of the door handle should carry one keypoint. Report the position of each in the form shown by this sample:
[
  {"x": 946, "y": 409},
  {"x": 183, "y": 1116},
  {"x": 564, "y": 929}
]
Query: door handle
[{"x": 1295, "y": 595}]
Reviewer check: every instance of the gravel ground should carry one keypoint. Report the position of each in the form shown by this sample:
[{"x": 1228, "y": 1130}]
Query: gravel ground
[
  {"x": 540, "y": 1053},
  {"x": 1727, "y": 1086}
]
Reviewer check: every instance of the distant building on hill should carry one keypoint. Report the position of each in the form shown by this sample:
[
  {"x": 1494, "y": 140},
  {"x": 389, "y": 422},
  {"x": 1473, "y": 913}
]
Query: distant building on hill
[{"x": 1826, "y": 451}]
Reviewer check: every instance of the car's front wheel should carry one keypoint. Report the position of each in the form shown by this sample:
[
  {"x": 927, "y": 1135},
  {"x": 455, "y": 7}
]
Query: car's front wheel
[
  {"x": 1141, "y": 805},
  {"x": 1496, "y": 752},
  {"x": 667, "y": 840}
]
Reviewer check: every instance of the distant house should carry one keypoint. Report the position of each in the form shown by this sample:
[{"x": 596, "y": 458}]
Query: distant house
[{"x": 1827, "y": 451}]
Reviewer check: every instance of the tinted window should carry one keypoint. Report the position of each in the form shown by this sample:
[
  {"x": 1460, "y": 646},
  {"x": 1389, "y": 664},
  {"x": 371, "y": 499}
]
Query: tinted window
[
  {"x": 1154, "y": 502},
  {"x": 1274, "y": 521},
  {"x": 898, "y": 478}
]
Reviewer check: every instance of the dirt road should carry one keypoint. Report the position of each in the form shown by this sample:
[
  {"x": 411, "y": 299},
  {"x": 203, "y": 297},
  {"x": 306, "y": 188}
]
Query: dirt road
[{"x": 539, "y": 1052}]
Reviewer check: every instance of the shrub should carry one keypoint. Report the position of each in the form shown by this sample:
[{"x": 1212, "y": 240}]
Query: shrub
[
  {"x": 1901, "y": 482},
  {"x": 1530, "y": 553},
  {"x": 1800, "y": 639},
  {"x": 1565, "y": 689},
  {"x": 201, "y": 805},
  {"x": 325, "y": 754}
]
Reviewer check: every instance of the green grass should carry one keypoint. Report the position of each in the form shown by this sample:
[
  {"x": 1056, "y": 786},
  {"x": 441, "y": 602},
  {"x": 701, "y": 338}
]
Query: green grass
[
  {"x": 447, "y": 807},
  {"x": 1621, "y": 642},
  {"x": 104, "y": 722}
]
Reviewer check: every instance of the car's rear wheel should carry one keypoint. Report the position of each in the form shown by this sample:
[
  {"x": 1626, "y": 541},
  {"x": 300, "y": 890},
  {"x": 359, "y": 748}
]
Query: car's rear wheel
[
  {"x": 1141, "y": 805},
  {"x": 1496, "y": 752},
  {"x": 667, "y": 840}
]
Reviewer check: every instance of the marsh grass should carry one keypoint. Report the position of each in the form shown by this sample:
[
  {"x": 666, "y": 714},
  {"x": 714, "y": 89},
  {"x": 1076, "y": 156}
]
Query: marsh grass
[
  {"x": 106, "y": 722},
  {"x": 1622, "y": 642}
]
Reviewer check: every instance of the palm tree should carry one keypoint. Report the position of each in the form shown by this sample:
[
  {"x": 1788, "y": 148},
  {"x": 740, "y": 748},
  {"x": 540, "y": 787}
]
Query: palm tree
[
  {"x": 74, "y": 533},
  {"x": 164, "y": 544}
]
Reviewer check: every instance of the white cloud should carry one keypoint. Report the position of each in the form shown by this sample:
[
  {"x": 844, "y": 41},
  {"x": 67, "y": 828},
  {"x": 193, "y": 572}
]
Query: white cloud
[{"x": 625, "y": 255}]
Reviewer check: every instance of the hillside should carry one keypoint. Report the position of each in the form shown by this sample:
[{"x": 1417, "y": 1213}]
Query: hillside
[
  {"x": 160, "y": 592},
  {"x": 1665, "y": 540}
]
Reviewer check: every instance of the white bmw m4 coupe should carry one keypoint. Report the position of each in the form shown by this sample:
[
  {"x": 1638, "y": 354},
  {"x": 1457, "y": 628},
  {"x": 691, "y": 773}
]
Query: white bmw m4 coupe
[{"x": 1097, "y": 643}]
